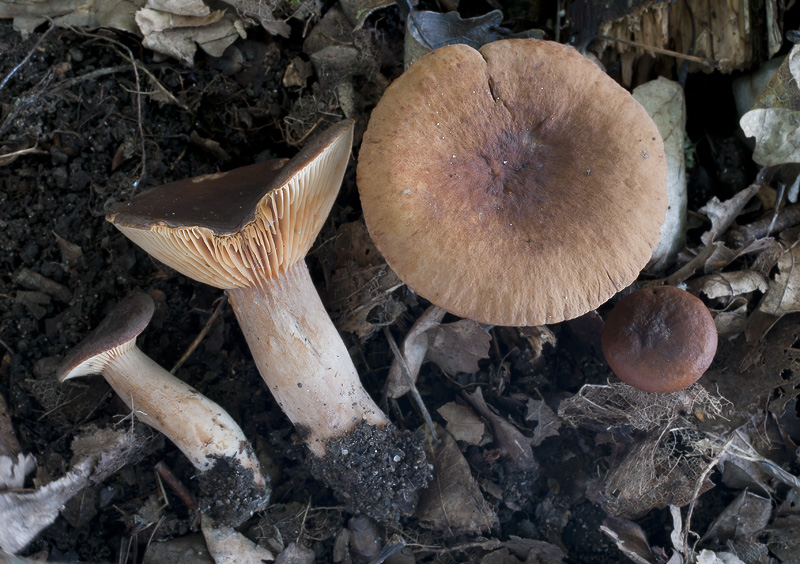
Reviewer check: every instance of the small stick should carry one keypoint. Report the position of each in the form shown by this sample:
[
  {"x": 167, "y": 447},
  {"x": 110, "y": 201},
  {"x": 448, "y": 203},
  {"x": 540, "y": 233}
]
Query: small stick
[
  {"x": 28, "y": 56},
  {"x": 176, "y": 486},
  {"x": 778, "y": 221},
  {"x": 9, "y": 446},
  {"x": 700, "y": 60},
  {"x": 201, "y": 335},
  {"x": 410, "y": 381}
]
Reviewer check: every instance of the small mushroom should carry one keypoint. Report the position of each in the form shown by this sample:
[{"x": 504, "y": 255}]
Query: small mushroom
[
  {"x": 248, "y": 231},
  {"x": 514, "y": 185},
  {"x": 199, "y": 427},
  {"x": 659, "y": 339}
]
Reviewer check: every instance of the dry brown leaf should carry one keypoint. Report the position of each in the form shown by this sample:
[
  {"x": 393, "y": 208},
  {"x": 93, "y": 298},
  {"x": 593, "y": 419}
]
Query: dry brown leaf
[
  {"x": 228, "y": 546},
  {"x": 462, "y": 423},
  {"x": 515, "y": 446},
  {"x": 151, "y": 21},
  {"x": 89, "y": 14},
  {"x": 180, "y": 7},
  {"x": 415, "y": 345},
  {"x": 733, "y": 318},
  {"x": 782, "y": 297},
  {"x": 182, "y": 43},
  {"x": 538, "y": 337},
  {"x": 97, "y": 455},
  {"x": 729, "y": 284},
  {"x": 453, "y": 502},
  {"x": 548, "y": 422},
  {"x": 722, "y": 214},
  {"x": 360, "y": 291},
  {"x": 629, "y": 538},
  {"x": 775, "y": 119},
  {"x": 457, "y": 347}
]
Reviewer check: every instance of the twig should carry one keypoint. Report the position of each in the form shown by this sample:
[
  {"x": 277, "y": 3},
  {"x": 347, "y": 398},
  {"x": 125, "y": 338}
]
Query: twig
[
  {"x": 177, "y": 487},
  {"x": 27, "y": 57},
  {"x": 9, "y": 446},
  {"x": 410, "y": 381},
  {"x": 696, "y": 495},
  {"x": 201, "y": 335},
  {"x": 116, "y": 45},
  {"x": 778, "y": 221},
  {"x": 700, "y": 60},
  {"x": 30, "y": 150}
]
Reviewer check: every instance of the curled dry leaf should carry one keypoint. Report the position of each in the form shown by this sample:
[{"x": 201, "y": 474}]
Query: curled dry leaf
[
  {"x": 722, "y": 214},
  {"x": 295, "y": 554},
  {"x": 453, "y": 502},
  {"x": 745, "y": 516},
  {"x": 181, "y": 42},
  {"x": 775, "y": 119},
  {"x": 729, "y": 284},
  {"x": 14, "y": 468},
  {"x": 515, "y": 446},
  {"x": 733, "y": 318},
  {"x": 98, "y": 455},
  {"x": 457, "y": 347},
  {"x": 548, "y": 422},
  {"x": 414, "y": 348},
  {"x": 538, "y": 337},
  {"x": 782, "y": 297},
  {"x": 462, "y": 423},
  {"x": 228, "y": 546},
  {"x": 629, "y": 538},
  {"x": 360, "y": 291}
]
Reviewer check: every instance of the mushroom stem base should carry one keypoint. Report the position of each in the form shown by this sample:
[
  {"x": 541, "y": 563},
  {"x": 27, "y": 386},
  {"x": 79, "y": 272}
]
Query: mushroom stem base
[
  {"x": 302, "y": 357},
  {"x": 198, "y": 426}
]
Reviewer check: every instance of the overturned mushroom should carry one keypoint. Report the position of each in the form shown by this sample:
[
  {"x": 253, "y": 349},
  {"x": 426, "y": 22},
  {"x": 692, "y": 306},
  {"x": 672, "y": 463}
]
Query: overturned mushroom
[
  {"x": 247, "y": 231},
  {"x": 201, "y": 429}
]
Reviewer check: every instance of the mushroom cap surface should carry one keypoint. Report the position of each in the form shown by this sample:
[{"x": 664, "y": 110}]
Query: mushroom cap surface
[
  {"x": 515, "y": 185},
  {"x": 235, "y": 229},
  {"x": 659, "y": 339},
  {"x": 114, "y": 334}
]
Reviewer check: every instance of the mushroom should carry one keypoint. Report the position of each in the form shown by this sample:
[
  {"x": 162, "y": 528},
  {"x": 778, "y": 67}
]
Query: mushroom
[
  {"x": 199, "y": 427},
  {"x": 247, "y": 231},
  {"x": 659, "y": 339},
  {"x": 514, "y": 185}
]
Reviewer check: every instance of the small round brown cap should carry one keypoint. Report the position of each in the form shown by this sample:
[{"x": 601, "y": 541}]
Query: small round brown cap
[
  {"x": 109, "y": 339},
  {"x": 515, "y": 185},
  {"x": 235, "y": 229},
  {"x": 659, "y": 339}
]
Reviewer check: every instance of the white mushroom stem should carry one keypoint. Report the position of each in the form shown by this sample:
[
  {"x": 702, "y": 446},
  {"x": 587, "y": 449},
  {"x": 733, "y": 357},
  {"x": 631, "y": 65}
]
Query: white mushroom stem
[
  {"x": 302, "y": 358},
  {"x": 199, "y": 427}
]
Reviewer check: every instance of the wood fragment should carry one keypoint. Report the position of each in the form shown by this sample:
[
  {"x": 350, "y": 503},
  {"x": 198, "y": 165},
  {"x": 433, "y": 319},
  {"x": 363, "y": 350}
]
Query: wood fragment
[{"x": 785, "y": 218}]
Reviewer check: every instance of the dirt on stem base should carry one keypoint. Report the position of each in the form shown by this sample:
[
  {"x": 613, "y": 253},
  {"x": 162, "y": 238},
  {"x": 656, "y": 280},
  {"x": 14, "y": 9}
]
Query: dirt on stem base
[
  {"x": 228, "y": 493},
  {"x": 378, "y": 472}
]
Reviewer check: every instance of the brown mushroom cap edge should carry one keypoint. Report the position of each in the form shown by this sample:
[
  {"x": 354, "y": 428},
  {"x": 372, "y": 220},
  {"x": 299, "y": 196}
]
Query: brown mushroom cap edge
[{"x": 515, "y": 185}]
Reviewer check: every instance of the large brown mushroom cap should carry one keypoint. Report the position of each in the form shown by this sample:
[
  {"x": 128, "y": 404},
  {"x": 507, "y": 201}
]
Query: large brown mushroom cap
[
  {"x": 659, "y": 339},
  {"x": 515, "y": 185},
  {"x": 116, "y": 333},
  {"x": 236, "y": 229}
]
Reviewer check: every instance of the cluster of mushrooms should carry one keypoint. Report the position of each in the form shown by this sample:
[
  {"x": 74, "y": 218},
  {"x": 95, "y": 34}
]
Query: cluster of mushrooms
[{"x": 514, "y": 185}]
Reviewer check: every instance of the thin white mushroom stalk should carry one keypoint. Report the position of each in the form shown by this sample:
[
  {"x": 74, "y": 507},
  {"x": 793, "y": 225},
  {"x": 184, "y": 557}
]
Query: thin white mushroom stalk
[{"x": 203, "y": 431}]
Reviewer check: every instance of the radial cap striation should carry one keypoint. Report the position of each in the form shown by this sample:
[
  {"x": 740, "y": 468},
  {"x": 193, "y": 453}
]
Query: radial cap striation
[
  {"x": 515, "y": 185},
  {"x": 236, "y": 229}
]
